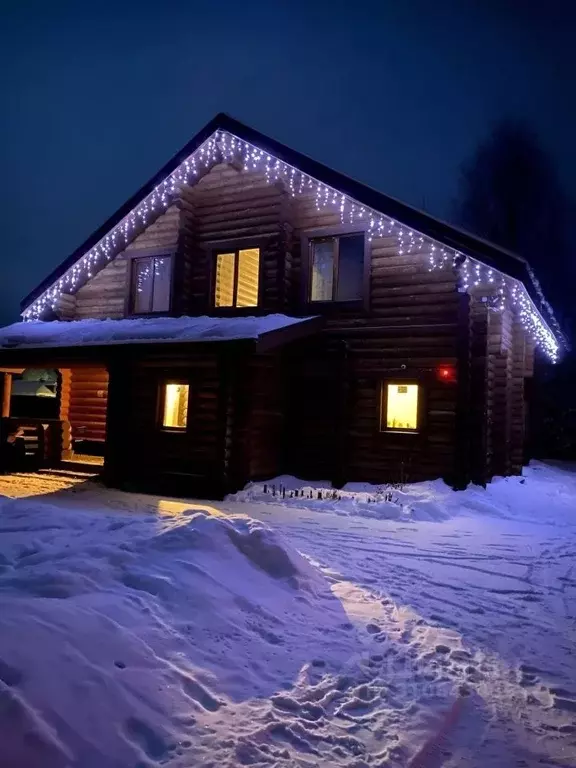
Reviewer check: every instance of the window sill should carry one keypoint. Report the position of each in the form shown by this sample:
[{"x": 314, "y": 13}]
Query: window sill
[
  {"x": 400, "y": 432},
  {"x": 239, "y": 311},
  {"x": 174, "y": 430}
]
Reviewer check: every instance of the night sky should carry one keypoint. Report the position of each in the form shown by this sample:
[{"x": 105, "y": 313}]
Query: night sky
[{"x": 396, "y": 94}]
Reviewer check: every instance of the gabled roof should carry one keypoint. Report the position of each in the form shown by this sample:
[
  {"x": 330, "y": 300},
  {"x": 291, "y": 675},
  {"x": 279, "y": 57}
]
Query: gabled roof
[{"x": 331, "y": 188}]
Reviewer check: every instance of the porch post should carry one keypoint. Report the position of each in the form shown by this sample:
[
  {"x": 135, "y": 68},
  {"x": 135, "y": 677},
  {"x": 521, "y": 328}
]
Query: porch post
[{"x": 6, "y": 394}]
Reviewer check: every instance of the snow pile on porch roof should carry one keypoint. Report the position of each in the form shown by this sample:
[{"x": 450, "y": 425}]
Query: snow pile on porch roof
[{"x": 140, "y": 330}]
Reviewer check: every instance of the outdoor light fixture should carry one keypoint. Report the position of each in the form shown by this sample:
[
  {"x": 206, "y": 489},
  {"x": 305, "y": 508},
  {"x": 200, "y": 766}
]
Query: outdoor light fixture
[{"x": 446, "y": 373}]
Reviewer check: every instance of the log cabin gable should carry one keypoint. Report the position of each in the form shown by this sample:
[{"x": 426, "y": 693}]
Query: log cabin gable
[
  {"x": 228, "y": 147},
  {"x": 109, "y": 292},
  {"x": 227, "y": 211}
]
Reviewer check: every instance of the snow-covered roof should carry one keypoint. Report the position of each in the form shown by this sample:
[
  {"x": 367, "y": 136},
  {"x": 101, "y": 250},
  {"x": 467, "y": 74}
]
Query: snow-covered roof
[{"x": 34, "y": 334}]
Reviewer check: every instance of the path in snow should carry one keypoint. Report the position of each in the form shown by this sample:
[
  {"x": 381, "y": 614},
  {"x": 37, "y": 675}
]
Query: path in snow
[{"x": 394, "y": 643}]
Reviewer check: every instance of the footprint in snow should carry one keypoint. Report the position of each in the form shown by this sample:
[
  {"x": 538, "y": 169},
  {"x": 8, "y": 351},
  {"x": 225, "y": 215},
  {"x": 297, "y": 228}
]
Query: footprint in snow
[
  {"x": 142, "y": 734},
  {"x": 10, "y": 675},
  {"x": 460, "y": 655},
  {"x": 194, "y": 690}
]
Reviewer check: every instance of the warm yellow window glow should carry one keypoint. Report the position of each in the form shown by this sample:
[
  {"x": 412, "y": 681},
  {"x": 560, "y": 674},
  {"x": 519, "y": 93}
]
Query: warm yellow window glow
[
  {"x": 176, "y": 406},
  {"x": 401, "y": 406},
  {"x": 237, "y": 278},
  {"x": 224, "y": 296},
  {"x": 248, "y": 273}
]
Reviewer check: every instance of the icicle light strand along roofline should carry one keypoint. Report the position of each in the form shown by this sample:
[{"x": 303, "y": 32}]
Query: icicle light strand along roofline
[{"x": 224, "y": 146}]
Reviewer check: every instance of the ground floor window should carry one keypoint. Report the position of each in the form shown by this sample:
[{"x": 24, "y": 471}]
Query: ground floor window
[
  {"x": 399, "y": 407},
  {"x": 175, "y": 405}
]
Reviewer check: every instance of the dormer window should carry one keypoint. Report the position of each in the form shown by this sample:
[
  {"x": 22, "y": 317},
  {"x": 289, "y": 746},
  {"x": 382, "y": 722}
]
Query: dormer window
[
  {"x": 151, "y": 284},
  {"x": 336, "y": 267},
  {"x": 237, "y": 278}
]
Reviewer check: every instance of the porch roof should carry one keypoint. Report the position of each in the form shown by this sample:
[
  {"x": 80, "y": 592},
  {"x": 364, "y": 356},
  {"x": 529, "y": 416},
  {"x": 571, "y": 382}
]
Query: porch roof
[{"x": 95, "y": 336}]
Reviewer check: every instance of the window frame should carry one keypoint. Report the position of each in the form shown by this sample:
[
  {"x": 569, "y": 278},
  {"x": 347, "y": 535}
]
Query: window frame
[
  {"x": 161, "y": 403},
  {"x": 234, "y": 246},
  {"x": 148, "y": 253},
  {"x": 383, "y": 406},
  {"x": 338, "y": 231}
]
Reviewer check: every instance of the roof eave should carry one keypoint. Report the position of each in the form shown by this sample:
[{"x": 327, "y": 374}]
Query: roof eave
[{"x": 488, "y": 253}]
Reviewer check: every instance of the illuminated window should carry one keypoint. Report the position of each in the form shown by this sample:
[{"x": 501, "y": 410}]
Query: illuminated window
[
  {"x": 237, "y": 278},
  {"x": 151, "y": 284},
  {"x": 399, "y": 407},
  {"x": 175, "y": 410},
  {"x": 337, "y": 268}
]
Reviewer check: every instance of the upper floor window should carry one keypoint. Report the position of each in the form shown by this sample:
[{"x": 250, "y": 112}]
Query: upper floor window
[
  {"x": 337, "y": 268},
  {"x": 237, "y": 276},
  {"x": 151, "y": 284}
]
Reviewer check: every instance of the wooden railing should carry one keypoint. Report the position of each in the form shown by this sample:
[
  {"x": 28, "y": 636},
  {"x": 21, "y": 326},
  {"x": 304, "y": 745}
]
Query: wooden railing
[{"x": 32, "y": 443}]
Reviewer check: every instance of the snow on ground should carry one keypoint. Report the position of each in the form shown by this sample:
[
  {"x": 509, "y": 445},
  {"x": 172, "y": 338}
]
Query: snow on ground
[{"x": 427, "y": 629}]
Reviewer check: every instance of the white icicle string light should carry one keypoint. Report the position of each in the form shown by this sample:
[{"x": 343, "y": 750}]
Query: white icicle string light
[{"x": 224, "y": 146}]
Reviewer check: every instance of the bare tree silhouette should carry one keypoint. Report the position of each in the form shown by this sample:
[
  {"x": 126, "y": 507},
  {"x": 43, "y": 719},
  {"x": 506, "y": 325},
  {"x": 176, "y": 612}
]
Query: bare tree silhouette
[{"x": 510, "y": 194}]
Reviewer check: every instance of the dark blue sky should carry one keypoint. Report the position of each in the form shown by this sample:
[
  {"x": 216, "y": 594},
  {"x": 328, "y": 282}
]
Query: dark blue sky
[{"x": 396, "y": 94}]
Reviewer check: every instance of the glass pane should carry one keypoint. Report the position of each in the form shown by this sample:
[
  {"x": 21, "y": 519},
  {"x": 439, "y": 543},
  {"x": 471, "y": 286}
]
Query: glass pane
[
  {"x": 161, "y": 293},
  {"x": 142, "y": 285},
  {"x": 248, "y": 272},
  {"x": 402, "y": 406},
  {"x": 350, "y": 268},
  {"x": 322, "y": 275},
  {"x": 176, "y": 406},
  {"x": 224, "y": 291}
]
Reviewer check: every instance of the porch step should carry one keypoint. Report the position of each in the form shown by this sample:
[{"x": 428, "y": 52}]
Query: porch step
[{"x": 81, "y": 466}]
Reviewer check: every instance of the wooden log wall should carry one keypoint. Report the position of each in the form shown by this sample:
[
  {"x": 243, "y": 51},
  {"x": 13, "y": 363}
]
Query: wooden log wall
[
  {"x": 479, "y": 400},
  {"x": 106, "y": 294},
  {"x": 520, "y": 351},
  {"x": 63, "y": 392},
  {"x": 502, "y": 357},
  {"x": 409, "y": 330},
  {"x": 66, "y": 307},
  {"x": 139, "y": 451},
  {"x": 266, "y": 417},
  {"x": 313, "y": 419},
  {"x": 228, "y": 204},
  {"x": 499, "y": 363},
  {"x": 88, "y": 402},
  {"x": 5, "y": 394}
]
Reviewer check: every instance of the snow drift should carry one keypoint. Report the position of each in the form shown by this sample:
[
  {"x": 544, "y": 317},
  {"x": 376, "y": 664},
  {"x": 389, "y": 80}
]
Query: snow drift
[
  {"x": 118, "y": 633},
  {"x": 544, "y": 493}
]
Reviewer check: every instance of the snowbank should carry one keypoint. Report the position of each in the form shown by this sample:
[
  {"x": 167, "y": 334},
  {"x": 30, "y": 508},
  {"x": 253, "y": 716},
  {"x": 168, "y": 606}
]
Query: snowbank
[
  {"x": 140, "y": 330},
  {"x": 544, "y": 493},
  {"x": 118, "y": 632}
]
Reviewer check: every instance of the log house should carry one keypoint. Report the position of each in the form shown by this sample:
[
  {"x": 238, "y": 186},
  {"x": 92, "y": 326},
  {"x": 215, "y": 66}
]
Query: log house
[{"x": 402, "y": 356}]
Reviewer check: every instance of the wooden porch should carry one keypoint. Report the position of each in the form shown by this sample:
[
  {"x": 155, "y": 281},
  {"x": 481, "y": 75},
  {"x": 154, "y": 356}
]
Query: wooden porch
[
  {"x": 73, "y": 439},
  {"x": 32, "y": 444}
]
